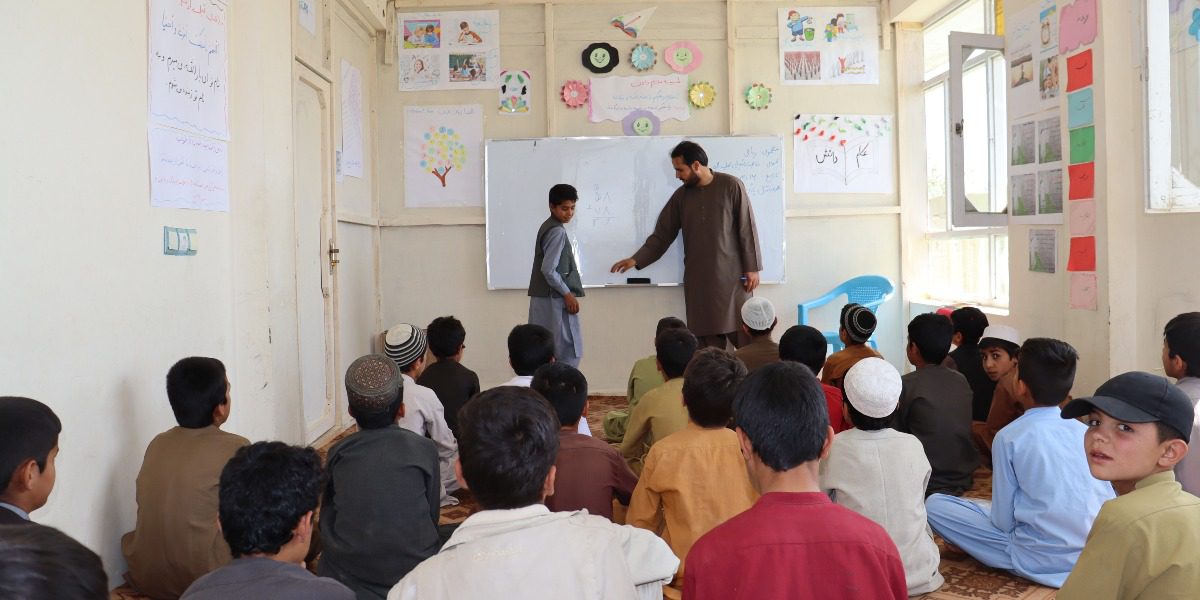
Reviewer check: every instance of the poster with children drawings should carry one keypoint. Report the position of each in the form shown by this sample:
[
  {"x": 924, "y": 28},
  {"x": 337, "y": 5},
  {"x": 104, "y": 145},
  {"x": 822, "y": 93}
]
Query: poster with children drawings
[
  {"x": 1031, "y": 51},
  {"x": 443, "y": 156},
  {"x": 453, "y": 50},
  {"x": 829, "y": 45},
  {"x": 839, "y": 154}
]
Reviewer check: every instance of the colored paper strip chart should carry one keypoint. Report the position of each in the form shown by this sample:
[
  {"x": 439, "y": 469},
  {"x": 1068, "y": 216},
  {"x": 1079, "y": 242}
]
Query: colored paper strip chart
[{"x": 1078, "y": 28}]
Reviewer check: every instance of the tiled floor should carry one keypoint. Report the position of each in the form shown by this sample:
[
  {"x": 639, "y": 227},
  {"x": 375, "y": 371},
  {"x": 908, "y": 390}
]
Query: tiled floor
[{"x": 966, "y": 578}]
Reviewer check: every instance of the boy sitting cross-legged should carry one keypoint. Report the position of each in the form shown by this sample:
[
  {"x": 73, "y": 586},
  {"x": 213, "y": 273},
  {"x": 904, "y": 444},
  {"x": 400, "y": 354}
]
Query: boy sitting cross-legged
[
  {"x": 453, "y": 383},
  {"x": 176, "y": 539},
  {"x": 1043, "y": 497},
  {"x": 881, "y": 473},
  {"x": 590, "y": 473},
  {"x": 515, "y": 547},
  {"x": 661, "y": 411},
  {"x": 807, "y": 346},
  {"x": 794, "y": 542},
  {"x": 380, "y": 510},
  {"x": 857, "y": 323},
  {"x": 695, "y": 479},
  {"x": 1144, "y": 543},
  {"x": 643, "y": 377}
]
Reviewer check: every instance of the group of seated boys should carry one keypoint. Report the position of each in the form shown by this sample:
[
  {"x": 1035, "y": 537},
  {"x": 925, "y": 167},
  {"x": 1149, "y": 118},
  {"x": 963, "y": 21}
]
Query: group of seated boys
[{"x": 730, "y": 475}]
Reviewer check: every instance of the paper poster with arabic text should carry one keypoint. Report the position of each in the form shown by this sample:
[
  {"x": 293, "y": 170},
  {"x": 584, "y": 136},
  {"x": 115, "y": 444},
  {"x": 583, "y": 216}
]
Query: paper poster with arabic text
[{"x": 843, "y": 154}]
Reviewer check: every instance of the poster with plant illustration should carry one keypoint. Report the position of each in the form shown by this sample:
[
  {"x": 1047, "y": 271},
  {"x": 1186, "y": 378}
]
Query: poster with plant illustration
[
  {"x": 843, "y": 154},
  {"x": 443, "y": 156}
]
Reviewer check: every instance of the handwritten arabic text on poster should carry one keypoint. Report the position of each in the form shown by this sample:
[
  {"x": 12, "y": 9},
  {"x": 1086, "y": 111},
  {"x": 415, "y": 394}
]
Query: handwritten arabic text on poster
[{"x": 189, "y": 66}]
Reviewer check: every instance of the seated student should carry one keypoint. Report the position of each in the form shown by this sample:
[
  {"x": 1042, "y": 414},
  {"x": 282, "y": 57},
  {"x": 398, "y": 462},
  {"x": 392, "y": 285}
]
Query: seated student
[
  {"x": 695, "y": 479},
  {"x": 176, "y": 538},
  {"x": 269, "y": 491},
  {"x": 1043, "y": 497},
  {"x": 969, "y": 323},
  {"x": 1000, "y": 348},
  {"x": 423, "y": 413},
  {"x": 529, "y": 347},
  {"x": 1145, "y": 542},
  {"x": 807, "y": 346},
  {"x": 661, "y": 411},
  {"x": 935, "y": 406},
  {"x": 758, "y": 321},
  {"x": 515, "y": 547},
  {"x": 1181, "y": 361},
  {"x": 881, "y": 473},
  {"x": 590, "y": 472},
  {"x": 857, "y": 323},
  {"x": 644, "y": 377},
  {"x": 794, "y": 542},
  {"x": 380, "y": 511},
  {"x": 453, "y": 383},
  {"x": 28, "y": 446},
  {"x": 43, "y": 563}
]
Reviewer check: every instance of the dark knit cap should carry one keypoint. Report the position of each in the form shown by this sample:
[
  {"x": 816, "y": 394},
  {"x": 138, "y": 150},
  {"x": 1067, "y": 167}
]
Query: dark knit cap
[{"x": 858, "y": 321}]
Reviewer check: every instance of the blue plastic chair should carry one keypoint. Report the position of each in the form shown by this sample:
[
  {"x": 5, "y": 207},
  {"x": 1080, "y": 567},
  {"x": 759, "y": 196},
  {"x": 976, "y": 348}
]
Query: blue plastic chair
[{"x": 867, "y": 290}]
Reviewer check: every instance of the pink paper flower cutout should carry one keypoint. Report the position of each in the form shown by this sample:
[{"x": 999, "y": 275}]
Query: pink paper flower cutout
[
  {"x": 575, "y": 93},
  {"x": 683, "y": 57}
]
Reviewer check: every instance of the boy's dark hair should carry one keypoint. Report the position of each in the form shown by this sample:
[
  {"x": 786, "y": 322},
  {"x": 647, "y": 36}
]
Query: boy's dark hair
[
  {"x": 508, "y": 440},
  {"x": 866, "y": 423},
  {"x": 43, "y": 563},
  {"x": 690, "y": 152},
  {"x": 377, "y": 419},
  {"x": 781, "y": 408},
  {"x": 666, "y": 323},
  {"x": 1013, "y": 350},
  {"x": 529, "y": 347},
  {"x": 970, "y": 322},
  {"x": 28, "y": 430},
  {"x": 805, "y": 345},
  {"x": 1047, "y": 366},
  {"x": 709, "y": 382},
  {"x": 266, "y": 488},
  {"x": 674, "y": 349},
  {"x": 195, "y": 386},
  {"x": 562, "y": 192},
  {"x": 463, "y": 25},
  {"x": 931, "y": 333},
  {"x": 1166, "y": 432},
  {"x": 564, "y": 387},
  {"x": 1182, "y": 335},
  {"x": 446, "y": 335}
]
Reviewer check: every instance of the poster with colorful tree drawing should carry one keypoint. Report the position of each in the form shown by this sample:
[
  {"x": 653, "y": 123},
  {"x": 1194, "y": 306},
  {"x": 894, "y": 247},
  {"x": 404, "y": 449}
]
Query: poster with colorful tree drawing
[
  {"x": 843, "y": 154},
  {"x": 443, "y": 156}
]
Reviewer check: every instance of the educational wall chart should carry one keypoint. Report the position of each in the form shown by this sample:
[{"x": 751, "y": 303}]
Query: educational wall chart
[
  {"x": 829, "y": 45},
  {"x": 188, "y": 170},
  {"x": 443, "y": 156},
  {"x": 448, "y": 50},
  {"x": 188, "y": 66},
  {"x": 1078, "y": 28},
  {"x": 843, "y": 154},
  {"x": 352, "y": 121},
  {"x": 1036, "y": 176},
  {"x": 665, "y": 96}
]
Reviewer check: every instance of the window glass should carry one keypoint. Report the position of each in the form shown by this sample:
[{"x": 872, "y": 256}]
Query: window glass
[
  {"x": 935, "y": 155},
  {"x": 971, "y": 18}
]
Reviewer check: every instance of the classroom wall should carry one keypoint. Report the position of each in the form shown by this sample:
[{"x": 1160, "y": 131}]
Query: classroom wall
[
  {"x": 432, "y": 260},
  {"x": 94, "y": 314}
]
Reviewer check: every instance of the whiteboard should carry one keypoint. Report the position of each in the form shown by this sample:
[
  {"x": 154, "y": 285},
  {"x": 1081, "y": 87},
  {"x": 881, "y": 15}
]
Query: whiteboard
[{"x": 623, "y": 184}]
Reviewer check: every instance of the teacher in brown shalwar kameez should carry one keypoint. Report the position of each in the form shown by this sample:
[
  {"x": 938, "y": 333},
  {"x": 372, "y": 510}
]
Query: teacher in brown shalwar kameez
[{"x": 721, "y": 258}]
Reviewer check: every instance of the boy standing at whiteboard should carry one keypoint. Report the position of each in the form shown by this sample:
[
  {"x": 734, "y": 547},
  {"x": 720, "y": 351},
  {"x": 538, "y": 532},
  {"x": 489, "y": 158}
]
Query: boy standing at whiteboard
[{"x": 555, "y": 284}]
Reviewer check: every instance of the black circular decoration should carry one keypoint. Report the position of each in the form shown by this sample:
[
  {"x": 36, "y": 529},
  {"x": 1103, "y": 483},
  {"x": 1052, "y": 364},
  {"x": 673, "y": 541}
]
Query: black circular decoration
[{"x": 601, "y": 57}]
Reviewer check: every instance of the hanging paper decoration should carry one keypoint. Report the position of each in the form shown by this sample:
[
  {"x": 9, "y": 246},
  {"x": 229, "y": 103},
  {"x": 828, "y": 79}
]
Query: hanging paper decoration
[
  {"x": 600, "y": 57},
  {"x": 758, "y": 96},
  {"x": 683, "y": 57},
  {"x": 514, "y": 92},
  {"x": 641, "y": 122},
  {"x": 633, "y": 22},
  {"x": 575, "y": 93},
  {"x": 643, "y": 57},
  {"x": 702, "y": 94}
]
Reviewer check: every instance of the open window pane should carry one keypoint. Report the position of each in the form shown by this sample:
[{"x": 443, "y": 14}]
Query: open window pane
[
  {"x": 1173, "y": 92},
  {"x": 971, "y": 18},
  {"x": 977, "y": 160},
  {"x": 960, "y": 268},
  {"x": 935, "y": 155}
]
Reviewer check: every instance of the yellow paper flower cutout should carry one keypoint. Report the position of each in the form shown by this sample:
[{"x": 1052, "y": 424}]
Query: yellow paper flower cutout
[{"x": 702, "y": 94}]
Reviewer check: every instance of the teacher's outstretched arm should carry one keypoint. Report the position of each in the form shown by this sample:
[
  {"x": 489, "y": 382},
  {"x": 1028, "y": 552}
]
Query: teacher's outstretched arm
[{"x": 666, "y": 229}]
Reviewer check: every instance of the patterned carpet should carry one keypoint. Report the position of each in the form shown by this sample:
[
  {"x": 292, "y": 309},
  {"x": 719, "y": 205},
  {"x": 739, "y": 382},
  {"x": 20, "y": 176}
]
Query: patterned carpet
[{"x": 966, "y": 578}]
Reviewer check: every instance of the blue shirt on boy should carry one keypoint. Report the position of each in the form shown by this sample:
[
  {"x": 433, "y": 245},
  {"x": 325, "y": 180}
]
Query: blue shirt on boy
[{"x": 1044, "y": 500}]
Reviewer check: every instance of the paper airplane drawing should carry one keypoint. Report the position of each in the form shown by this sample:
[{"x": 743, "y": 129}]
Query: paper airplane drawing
[{"x": 633, "y": 22}]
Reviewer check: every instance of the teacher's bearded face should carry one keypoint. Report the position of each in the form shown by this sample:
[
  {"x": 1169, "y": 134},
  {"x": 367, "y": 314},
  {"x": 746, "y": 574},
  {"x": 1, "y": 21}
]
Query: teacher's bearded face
[{"x": 688, "y": 174}]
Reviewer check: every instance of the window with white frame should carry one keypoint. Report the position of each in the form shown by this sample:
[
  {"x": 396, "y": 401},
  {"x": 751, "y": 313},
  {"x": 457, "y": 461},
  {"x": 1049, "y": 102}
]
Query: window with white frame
[
  {"x": 965, "y": 264},
  {"x": 1172, "y": 94}
]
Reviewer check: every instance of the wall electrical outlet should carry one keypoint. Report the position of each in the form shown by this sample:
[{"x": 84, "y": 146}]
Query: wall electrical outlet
[{"x": 179, "y": 241}]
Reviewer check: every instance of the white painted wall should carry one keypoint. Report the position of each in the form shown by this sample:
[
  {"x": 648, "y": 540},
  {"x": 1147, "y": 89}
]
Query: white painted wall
[
  {"x": 94, "y": 314},
  {"x": 432, "y": 261}
]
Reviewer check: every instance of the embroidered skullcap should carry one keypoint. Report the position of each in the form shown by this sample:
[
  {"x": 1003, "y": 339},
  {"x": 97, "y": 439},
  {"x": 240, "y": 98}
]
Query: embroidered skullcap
[
  {"x": 373, "y": 382},
  {"x": 404, "y": 343},
  {"x": 858, "y": 321},
  {"x": 758, "y": 313},
  {"x": 873, "y": 387}
]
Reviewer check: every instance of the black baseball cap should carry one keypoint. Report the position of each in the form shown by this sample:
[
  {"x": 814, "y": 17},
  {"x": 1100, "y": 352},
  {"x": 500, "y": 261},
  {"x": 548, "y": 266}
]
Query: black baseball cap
[{"x": 1139, "y": 397}]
